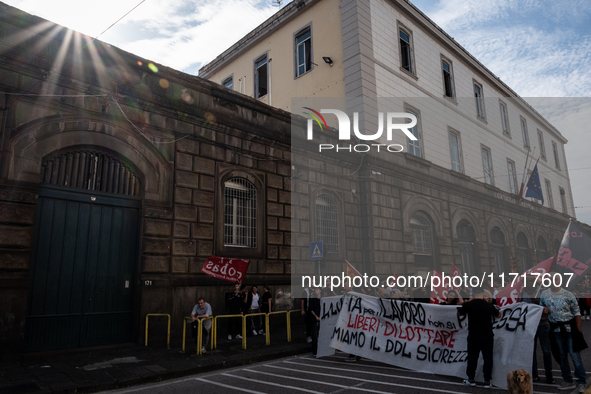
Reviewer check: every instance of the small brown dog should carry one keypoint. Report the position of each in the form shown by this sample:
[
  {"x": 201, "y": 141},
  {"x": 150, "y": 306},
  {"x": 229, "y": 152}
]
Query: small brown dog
[{"x": 519, "y": 382}]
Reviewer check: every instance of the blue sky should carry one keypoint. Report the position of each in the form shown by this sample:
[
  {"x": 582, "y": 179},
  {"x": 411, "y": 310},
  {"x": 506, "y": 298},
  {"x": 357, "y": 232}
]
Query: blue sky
[{"x": 540, "y": 48}]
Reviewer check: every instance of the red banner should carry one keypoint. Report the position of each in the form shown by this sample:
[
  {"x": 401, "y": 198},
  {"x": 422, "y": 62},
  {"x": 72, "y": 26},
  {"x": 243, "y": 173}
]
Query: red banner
[
  {"x": 232, "y": 270},
  {"x": 510, "y": 294}
]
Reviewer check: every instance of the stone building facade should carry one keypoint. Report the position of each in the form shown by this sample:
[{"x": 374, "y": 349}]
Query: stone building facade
[{"x": 112, "y": 176}]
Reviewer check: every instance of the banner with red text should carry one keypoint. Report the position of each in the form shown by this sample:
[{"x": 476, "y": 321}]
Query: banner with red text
[
  {"x": 232, "y": 270},
  {"x": 423, "y": 337}
]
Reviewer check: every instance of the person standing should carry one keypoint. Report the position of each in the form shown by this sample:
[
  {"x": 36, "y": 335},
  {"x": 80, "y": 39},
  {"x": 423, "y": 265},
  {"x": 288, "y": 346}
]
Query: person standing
[
  {"x": 306, "y": 293},
  {"x": 235, "y": 303},
  {"x": 542, "y": 335},
  {"x": 200, "y": 311},
  {"x": 480, "y": 335},
  {"x": 315, "y": 313},
  {"x": 565, "y": 325},
  {"x": 267, "y": 300},
  {"x": 252, "y": 301}
]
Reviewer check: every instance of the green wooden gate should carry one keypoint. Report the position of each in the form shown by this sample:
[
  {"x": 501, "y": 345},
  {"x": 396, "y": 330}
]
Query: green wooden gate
[{"x": 82, "y": 269}]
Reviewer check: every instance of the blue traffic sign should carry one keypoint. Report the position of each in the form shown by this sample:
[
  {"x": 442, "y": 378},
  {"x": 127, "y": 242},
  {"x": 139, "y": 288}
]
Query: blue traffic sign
[{"x": 316, "y": 250}]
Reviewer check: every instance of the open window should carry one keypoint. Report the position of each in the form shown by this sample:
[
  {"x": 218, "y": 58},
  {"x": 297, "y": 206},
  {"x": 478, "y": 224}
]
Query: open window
[
  {"x": 303, "y": 43},
  {"x": 261, "y": 77}
]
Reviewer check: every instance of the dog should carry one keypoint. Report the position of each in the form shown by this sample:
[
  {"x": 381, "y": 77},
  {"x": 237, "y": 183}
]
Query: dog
[{"x": 519, "y": 382}]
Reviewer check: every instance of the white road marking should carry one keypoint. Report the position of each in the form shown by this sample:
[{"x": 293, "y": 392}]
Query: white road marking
[
  {"x": 325, "y": 383},
  {"x": 228, "y": 386},
  {"x": 367, "y": 380},
  {"x": 269, "y": 383}
]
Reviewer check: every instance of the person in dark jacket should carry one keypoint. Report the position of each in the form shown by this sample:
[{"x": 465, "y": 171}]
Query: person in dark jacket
[
  {"x": 235, "y": 307},
  {"x": 314, "y": 308},
  {"x": 480, "y": 335}
]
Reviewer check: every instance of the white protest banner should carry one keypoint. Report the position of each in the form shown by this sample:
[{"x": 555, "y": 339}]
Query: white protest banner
[{"x": 423, "y": 337}]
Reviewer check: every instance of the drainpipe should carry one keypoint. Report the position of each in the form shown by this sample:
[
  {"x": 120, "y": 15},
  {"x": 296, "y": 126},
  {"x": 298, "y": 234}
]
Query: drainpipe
[{"x": 270, "y": 81}]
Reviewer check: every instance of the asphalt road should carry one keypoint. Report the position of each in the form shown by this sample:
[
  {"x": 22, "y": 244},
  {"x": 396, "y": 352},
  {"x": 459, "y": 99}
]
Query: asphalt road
[{"x": 306, "y": 374}]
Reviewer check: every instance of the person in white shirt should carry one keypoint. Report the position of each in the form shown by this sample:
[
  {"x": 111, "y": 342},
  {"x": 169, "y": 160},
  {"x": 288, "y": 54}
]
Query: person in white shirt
[{"x": 252, "y": 302}]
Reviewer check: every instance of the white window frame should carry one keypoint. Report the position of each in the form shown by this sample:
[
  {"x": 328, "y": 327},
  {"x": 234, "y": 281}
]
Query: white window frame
[
  {"x": 563, "y": 200},
  {"x": 512, "y": 173},
  {"x": 308, "y": 64},
  {"x": 258, "y": 60},
  {"x": 414, "y": 146},
  {"x": 556, "y": 155},
  {"x": 504, "y": 118},
  {"x": 411, "y": 55},
  {"x": 542, "y": 145},
  {"x": 490, "y": 178},
  {"x": 237, "y": 222},
  {"x": 479, "y": 99},
  {"x": 549, "y": 194},
  {"x": 524, "y": 133},
  {"x": 230, "y": 79},
  {"x": 449, "y": 64},
  {"x": 456, "y": 165}
]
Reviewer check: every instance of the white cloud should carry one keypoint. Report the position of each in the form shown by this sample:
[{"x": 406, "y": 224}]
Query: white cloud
[{"x": 184, "y": 33}]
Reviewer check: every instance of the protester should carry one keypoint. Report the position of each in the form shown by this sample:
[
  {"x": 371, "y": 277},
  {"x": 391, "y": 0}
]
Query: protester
[
  {"x": 315, "y": 313},
  {"x": 480, "y": 335},
  {"x": 565, "y": 327},
  {"x": 253, "y": 304},
  {"x": 542, "y": 335},
  {"x": 200, "y": 311},
  {"x": 452, "y": 299},
  {"x": 266, "y": 303},
  {"x": 420, "y": 294},
  {"x": 305, "y": 313},
  {"x": 582, "y": 293},
  {"x": 235, "y": 307}
]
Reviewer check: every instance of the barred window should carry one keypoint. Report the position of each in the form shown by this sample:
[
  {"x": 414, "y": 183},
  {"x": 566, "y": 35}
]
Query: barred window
[
  {"x": 327, "y": 223},
  {"x": 421, "y": 232},
  {"x": 240, "y": 226}
]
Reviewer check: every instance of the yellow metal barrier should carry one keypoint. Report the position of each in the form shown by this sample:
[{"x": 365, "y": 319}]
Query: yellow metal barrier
[
  {"x": 215, "y": 328},
  {"x": 168, "y": 335},
  {"x": 200, "y": 334},
  {"x": 289, "y": 322},
  {"x": 186, "y": 320},
  {"x": 268, "y": 332},
  {"x": 244, "y": 325}
]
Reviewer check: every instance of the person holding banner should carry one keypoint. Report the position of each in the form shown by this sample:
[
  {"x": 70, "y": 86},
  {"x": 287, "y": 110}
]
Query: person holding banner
[
  {"x": 565, "y": 325},
  {"x": 480, "y": 335}
]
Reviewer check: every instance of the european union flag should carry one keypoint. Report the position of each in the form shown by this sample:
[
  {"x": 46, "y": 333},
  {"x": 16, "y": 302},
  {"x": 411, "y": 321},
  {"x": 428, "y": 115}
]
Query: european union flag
[{"x": 534, "y": 188}]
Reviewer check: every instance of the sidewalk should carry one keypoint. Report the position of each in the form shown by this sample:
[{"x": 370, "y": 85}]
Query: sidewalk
[{"x": 131, "y": 364}]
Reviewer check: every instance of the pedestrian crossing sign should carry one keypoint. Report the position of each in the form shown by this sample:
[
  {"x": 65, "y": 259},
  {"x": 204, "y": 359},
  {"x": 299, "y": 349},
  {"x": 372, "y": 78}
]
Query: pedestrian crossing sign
[{"x": 316, "y": 250}]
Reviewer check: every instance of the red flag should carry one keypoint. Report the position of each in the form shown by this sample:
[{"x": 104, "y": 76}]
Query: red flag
[
  {"x": 232, "y": 270},
  {"x": 510, "y": 294},
  {"x": 437, "y": 292},
  {"x": 352, "y": 272},
  {"x": 574, "y": 255},
  {"x": 455, "y": 272}
]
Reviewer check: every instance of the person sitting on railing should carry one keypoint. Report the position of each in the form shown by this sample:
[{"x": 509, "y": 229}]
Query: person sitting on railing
[{"x": 200, "y": 311}]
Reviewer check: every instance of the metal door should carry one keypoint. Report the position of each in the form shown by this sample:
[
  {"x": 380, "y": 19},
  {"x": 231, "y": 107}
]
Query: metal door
[{"x": 82, "y": 270}]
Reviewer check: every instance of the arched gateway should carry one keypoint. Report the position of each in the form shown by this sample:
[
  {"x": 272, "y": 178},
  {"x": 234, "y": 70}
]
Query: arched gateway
[{"x": 84, "y": 254}]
